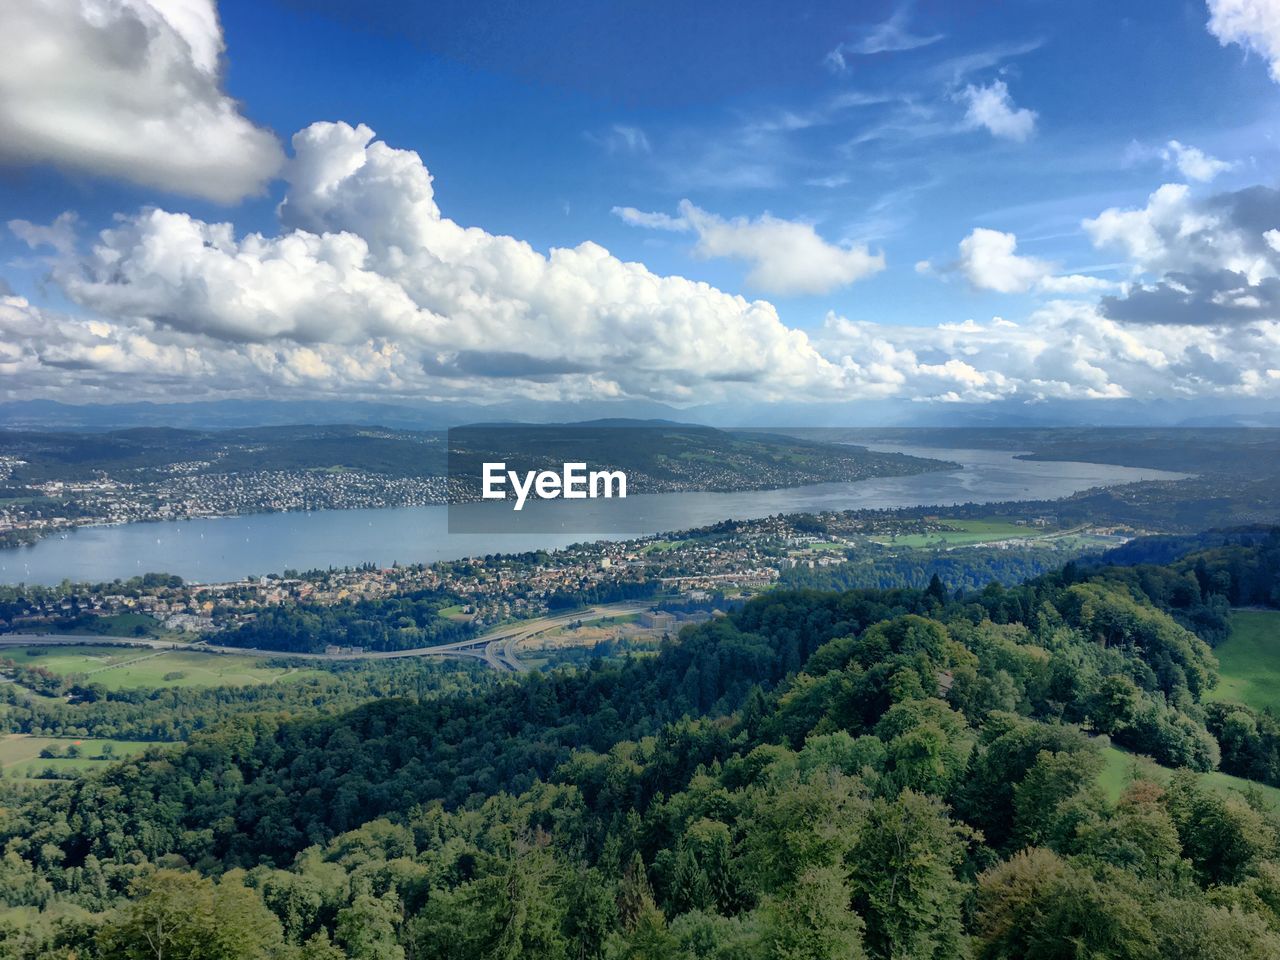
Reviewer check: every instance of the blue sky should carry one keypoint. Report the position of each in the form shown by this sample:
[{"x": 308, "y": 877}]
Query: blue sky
[{"x": 889, "y": 130}]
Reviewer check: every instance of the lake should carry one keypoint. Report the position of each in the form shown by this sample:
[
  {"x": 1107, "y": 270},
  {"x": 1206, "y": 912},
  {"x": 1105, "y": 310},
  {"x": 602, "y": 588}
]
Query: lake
[{"x": 227, "y": 548}]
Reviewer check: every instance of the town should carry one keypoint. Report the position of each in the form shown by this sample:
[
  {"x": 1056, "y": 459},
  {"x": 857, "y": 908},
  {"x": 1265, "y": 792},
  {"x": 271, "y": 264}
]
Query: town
[
  {"x": 701, "y": 570},
  {"x": 51, "y": 483},
  {"x": 56, "y": 505}
]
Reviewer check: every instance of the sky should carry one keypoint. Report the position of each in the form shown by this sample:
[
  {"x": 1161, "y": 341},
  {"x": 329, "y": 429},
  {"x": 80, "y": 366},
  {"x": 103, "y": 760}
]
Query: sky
[{"x": 749, "y": 202}]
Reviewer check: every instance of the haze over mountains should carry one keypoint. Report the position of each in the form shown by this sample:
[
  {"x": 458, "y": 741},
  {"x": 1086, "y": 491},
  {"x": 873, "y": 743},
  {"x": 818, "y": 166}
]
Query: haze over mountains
[{"x": 225, "y": 414}]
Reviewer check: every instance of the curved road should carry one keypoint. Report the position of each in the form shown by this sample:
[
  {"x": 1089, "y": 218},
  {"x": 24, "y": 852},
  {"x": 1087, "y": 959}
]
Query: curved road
[{"x": 496, "y": 648}]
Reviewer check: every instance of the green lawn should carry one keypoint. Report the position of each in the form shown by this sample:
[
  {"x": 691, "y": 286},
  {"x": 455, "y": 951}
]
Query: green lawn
[
  {"x": 1123, "y": 767},
  {"x": 662, "y": 546},
  {"x": 1250, "y": 660},
  {"x": 20, "y": 753},
  {"x": 1250, "y": 674},
  {"x": 963, "y": 532},
  {"x": 118, "y": 668}
]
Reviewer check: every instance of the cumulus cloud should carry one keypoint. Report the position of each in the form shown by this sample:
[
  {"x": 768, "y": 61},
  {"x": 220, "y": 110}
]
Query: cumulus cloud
[
  {"x": 369, "y": 289},
  {"x": 989, "y": 261},
  {"x": 1177, "y": 232},
  {"x": 39, "y": 350},
  {"x": 993, "y": 108},
  {"x": 367, "y": 271},
  {"x": 1192, "y": 162},
  {"x": 128, "y": 89},
  {"x": 1210, "y": 298},
  {"x": 1253, "y": 24},
  {"x": 1065, "y": 350},
  {"x": 1214, "y": 260},
  {"x": 786, "y": 256}
]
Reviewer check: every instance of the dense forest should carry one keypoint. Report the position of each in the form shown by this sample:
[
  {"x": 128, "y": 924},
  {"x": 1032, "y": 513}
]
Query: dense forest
[
  {"x": 907, "y": 773},
  {"x": 402, "y": 622},
  {"x": 78, "y": 707},
  {"x": 969, "y": 569}
]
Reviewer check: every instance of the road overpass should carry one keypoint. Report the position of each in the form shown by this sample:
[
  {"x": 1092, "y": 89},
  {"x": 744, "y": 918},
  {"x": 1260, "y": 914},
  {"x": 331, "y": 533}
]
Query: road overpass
[{"x": 497, "y": 647}]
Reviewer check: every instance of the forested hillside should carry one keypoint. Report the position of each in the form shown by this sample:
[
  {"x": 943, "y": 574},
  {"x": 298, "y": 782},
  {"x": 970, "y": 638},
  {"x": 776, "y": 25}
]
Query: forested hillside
[{"x": 906, "y": 774}]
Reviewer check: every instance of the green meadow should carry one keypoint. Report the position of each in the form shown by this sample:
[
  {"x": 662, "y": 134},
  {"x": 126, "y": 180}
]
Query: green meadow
[
  {"x": 20, "y": 753},
  {"x": 1250, "y": 674},
  {"x": 1122, "y": 768},
  {"x": 1249, "y": 660},
  {"x": 119, "y": 668},
  {"x": 964, "y": 532}
]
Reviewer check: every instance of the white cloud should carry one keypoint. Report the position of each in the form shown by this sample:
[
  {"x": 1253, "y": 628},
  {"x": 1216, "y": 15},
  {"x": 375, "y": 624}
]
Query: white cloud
[
  {"x": 622, "y": 138},
  {"x": 1175, "y": 232},
  {"x": 1214, "y": 261},
  {"x": 651, "y": 221},
  {"x": 786, "y": 256},
  {"x": 369, "y": 290},
  {"x": 60, "y": 236},
  {"x": 1065, "y": 350},
  {"x": 829, "y": 182},
  {"x": 1192, "y": 162},
  {"x": 128, "y": 89},
  {"x": 368, "y": 267},
  {"x": 989, "y": 260},
  {"x": 1075, "y": 284},
  {"x": 1253, "y": 24},
  {"x": 992, "y": 107},
  {"x": 891, "y": 36}
]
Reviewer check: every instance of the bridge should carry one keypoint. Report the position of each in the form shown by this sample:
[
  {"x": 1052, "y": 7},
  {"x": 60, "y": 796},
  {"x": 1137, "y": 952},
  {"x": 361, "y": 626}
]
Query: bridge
[{"x": 497, "y": 647}]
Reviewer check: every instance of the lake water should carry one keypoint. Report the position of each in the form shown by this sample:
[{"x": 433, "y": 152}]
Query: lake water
[{"x": 227, "y": 548}]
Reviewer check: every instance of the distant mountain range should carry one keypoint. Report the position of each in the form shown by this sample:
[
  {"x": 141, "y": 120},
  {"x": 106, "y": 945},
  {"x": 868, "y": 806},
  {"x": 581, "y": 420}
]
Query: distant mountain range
[{"x": 231, "y": 414}]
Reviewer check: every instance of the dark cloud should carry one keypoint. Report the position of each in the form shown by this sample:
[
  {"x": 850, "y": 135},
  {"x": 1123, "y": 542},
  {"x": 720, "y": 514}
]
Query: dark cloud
[
  {"x": 1254, "y": 210},
  {"x": 1209, "y": 298},
  {"x": 738, "y": 376},
  {"x": 1199, "y": 366},
  {"x": 1215, "y": 259},
  {"x": 503, "y": 364}
]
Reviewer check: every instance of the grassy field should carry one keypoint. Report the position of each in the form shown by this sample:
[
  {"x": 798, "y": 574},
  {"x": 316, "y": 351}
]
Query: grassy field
[
  {"x": 20, "y": 753},
  {"x": 1250, "y": 674},
  {"x": 962, "y": 532},
  {"x": 1123, "y": 767},
  {"x": 663, "y": 546},
  {"x": 455, "y": 612},
  {"x": 118, "y": 668},
  {"x": 1250, "y": 660}
]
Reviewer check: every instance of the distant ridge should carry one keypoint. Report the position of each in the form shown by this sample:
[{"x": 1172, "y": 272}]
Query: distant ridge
[{"x": 441, "y": 414}]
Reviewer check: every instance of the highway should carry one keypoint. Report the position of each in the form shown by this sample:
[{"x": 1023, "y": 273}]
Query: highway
[{"x": 497, "y": 648}]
